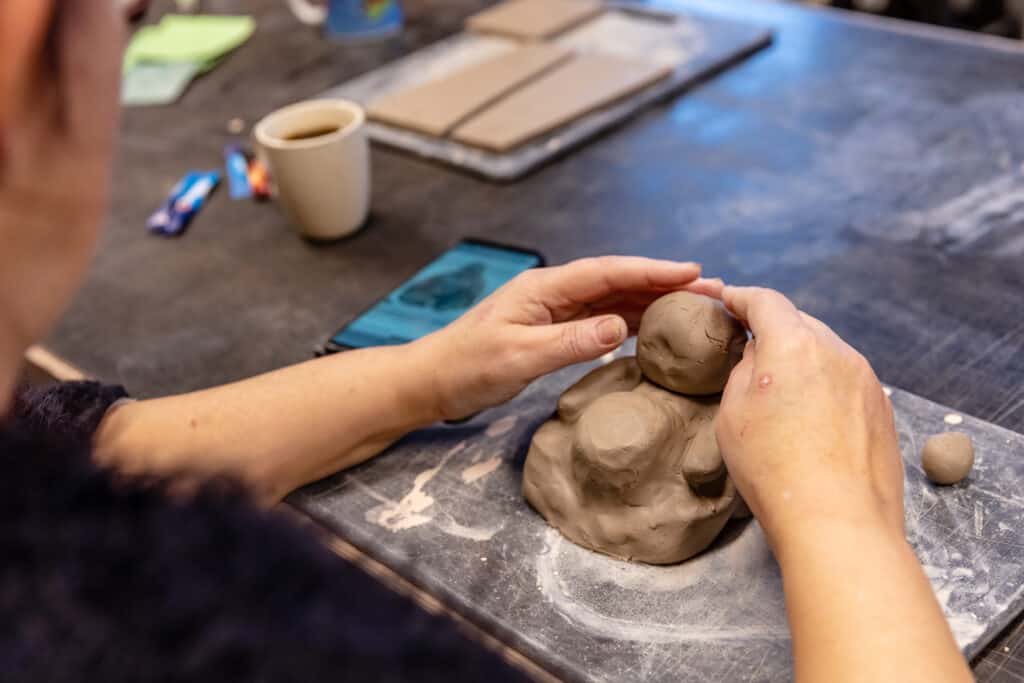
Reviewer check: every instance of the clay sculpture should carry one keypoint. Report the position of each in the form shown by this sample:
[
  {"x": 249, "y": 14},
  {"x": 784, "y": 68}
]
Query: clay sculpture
[
  {"x": 630, "y": 466},
  {"x": 438, "y": 106},
  {"x": 561, "y": 95},
  {"x": 533, "y": 19},
  {"x": 947, "y": 458}
]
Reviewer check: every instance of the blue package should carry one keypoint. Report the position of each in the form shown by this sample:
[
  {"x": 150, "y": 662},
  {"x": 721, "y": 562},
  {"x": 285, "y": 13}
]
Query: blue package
[
  {"x": 162, "y": 218},
  {"x": 355, "y": 20},
  {"x": 236, "y": 164},
  {"x": 187, "y": 197}
]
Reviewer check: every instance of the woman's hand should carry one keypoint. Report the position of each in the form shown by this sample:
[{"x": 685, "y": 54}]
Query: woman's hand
[
  {"x": 544, "y": 320},
  {"x": 808, "y": 436},
  {"x": 805, "y": 428},
  {"x": 287, "y": 428}
]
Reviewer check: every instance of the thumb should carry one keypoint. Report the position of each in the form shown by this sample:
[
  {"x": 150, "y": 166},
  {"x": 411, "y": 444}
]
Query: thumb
[{"x": 579, "y": 341}]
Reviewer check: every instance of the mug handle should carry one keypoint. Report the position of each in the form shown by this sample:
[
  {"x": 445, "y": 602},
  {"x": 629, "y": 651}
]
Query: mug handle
[{"x": 309, "y": 13}]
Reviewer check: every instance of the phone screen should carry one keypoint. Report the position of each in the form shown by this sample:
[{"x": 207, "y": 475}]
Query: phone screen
[{"x": 438, "y": 294}]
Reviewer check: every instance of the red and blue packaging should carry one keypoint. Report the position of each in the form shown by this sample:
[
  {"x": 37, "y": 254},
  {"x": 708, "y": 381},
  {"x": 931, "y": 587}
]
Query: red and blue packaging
[
  {"x": 236, "y": 167},
  {"x": 247, "y": 177},
  {"x": 184, "y": 202}
]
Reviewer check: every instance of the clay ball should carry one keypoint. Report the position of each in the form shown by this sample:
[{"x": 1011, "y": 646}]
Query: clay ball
[
  {"x": 947, "y": 458},
  {"x": 618, "y": 436},
  {"x": 689, "y": 343}
]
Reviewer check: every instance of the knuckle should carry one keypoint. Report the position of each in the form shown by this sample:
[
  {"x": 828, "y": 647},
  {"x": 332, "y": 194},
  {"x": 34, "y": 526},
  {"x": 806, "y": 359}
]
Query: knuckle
[
  {"x": 800, "y": 341},
  {"x": 507, "y": 351},
  {"x": 764, "y": 295},
  {"x": 571, "y": 341},
  {"x": 758, "y": 297},
  {"x": 518, "y": 355},
  {"x": 590, "y": 266},
  {"x": 528, "y": 279},
  {"x": 512, "y": 360},
  {"x": 804, "y": 337}
]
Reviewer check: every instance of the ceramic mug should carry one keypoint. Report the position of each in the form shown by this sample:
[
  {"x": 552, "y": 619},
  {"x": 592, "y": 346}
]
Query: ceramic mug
[{"x": 319, "y": 159}]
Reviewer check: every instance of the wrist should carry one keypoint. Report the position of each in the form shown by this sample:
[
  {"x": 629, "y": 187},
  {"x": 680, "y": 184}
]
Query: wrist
[
  {"x": 431, "y": 397},
  {"x": 791, "y": 511},
  {"x": 843, "y": 539},
  {"x": 860, "y": 606}
]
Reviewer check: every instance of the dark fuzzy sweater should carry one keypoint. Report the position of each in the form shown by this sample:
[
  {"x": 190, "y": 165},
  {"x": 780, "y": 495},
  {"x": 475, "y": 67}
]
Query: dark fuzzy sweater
[{"x": 105, "y": 580}]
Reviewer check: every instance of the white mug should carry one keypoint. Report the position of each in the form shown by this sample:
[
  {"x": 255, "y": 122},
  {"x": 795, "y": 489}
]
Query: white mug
[{"x": 320, "y": 163}]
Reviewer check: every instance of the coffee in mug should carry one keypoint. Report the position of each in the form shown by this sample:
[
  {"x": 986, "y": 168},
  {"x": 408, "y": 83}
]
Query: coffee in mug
[
  {"x": 314, "y": 133},
  {"x": 319, "y": 158}
]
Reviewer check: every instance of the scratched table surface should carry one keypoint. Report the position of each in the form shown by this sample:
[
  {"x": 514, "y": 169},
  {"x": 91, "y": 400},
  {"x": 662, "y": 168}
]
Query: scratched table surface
[{"x": 872, "y": 171}]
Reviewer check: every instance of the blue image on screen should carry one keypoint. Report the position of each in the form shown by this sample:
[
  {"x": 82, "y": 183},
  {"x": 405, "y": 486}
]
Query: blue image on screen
[{"x": 458, "y": 280}]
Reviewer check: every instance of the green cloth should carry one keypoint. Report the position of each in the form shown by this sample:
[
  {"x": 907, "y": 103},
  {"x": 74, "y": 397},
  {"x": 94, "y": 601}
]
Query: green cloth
[
  {"x": 149, "y": 84},
  {"x": 199, "y": 39}
]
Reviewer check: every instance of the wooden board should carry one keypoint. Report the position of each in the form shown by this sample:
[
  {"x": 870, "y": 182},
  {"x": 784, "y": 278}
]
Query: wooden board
[
  {"x": 533, "y": 19},
  {"x": 437, "y": 107},
  {"x": 583, "y": 84}
]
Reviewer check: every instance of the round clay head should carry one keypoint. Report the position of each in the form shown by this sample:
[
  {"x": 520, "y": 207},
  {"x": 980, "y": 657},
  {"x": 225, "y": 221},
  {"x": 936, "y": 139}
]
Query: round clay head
[
  {"x": 947, "y": 458},
  {"x": 618, "y": 436},
  {"x": 689, "y": 343}
]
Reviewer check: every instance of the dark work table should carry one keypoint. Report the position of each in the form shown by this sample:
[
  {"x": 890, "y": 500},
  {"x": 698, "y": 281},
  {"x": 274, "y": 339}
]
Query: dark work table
[{"x": 872, "y": 170}]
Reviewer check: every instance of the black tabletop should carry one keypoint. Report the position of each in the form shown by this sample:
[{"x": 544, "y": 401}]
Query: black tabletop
[{"x": 873, "y": 171}]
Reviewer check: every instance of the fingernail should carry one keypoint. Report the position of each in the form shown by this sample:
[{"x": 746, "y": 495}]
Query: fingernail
[
  {"x": 611, "y": 330},
  {"x": 684, "y": 265}
]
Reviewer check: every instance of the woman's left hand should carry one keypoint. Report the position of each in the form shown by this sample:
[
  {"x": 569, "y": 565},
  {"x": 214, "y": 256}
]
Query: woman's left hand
[
  {"x": 336, "y": 412},
  {"x": 544, "y": 320}
]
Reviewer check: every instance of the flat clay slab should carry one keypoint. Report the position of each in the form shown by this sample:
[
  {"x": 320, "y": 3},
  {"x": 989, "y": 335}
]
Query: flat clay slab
[
  {"x": 437, "y": 107},
  {"x": 533, "y": 19},
  {"x": 584, "y": 83}
]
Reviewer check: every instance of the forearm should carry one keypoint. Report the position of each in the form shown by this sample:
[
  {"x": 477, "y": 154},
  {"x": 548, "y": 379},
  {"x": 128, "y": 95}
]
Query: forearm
[
  {"x": 291, "y": 427},
  {"x": 280, "y": 430},
  {"x": 861, "y": 609}
]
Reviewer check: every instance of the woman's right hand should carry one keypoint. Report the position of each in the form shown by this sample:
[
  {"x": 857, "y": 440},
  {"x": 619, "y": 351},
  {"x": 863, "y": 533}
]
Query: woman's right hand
[
  {"x": 805, "y": 429},
  {"x": 808, "y": 436}
]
